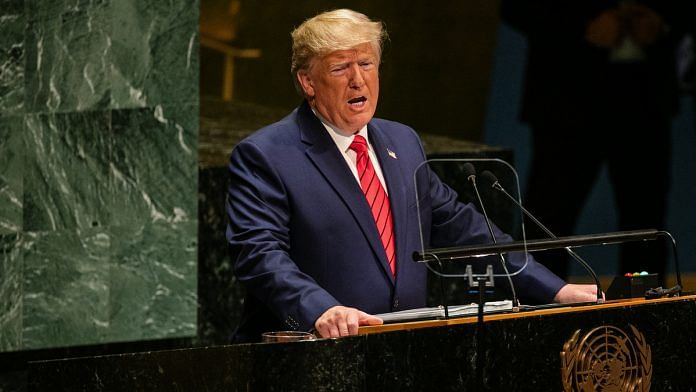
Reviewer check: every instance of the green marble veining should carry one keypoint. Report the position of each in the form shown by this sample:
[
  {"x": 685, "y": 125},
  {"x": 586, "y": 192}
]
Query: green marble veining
[
  {"x": 98, "y": 171},
  {"x": 67, "y": 52},
  {"x": 153, "y": 282},
  {"x": 11, "y": 174},
  {"x": 66, "y": 291},
  {"x": 155, "y": 53},
  {"x": 154, "y": 170},
  {"x": 12, "y": 22},
  {"x": 11, "y": 268},
  {"x": 66, "y": 172}
]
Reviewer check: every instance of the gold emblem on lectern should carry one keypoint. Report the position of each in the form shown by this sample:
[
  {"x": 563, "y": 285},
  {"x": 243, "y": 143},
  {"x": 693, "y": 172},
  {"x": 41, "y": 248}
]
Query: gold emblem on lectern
[{"x": 606, "y": 359}]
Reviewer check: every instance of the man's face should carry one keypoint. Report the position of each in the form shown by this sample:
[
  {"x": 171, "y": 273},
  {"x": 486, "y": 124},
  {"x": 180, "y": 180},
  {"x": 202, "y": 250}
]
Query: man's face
[{"x": 343, "y": 86}]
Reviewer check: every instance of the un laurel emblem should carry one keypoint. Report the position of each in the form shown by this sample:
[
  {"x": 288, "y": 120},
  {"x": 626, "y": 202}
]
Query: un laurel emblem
[{"x": 606, "y": 359}]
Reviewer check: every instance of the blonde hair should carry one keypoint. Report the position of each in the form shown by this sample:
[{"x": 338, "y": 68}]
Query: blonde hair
[{"x": 340, "y": 29}]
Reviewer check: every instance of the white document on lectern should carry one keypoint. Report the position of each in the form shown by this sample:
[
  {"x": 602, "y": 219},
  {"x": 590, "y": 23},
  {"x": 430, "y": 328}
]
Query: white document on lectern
[{"x": 439, "y": 312}]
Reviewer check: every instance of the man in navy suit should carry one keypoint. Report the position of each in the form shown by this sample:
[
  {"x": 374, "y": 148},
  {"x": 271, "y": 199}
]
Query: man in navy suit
[{"x": 322, "y": 205}]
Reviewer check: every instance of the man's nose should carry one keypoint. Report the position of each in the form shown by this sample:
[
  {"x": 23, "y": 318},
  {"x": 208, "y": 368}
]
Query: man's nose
[{"x": 356, "y": 76}]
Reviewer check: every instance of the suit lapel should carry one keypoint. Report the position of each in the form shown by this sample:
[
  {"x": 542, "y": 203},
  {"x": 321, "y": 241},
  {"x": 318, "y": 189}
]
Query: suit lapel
[
  {"x": 385, "y": 150},
  {"x": 323, "y": 153}
]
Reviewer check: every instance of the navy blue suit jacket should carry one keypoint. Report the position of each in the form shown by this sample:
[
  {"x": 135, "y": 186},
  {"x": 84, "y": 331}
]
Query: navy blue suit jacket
[{"x": 302, "y": 237}]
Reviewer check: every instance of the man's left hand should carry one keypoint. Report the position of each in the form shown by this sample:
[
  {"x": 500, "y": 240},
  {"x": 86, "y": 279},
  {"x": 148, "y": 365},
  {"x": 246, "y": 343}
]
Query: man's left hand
[{"x": 576, "y": 293}]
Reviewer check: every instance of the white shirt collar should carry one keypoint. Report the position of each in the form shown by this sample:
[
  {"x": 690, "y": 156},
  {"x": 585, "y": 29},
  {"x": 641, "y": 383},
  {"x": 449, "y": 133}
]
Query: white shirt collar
[{"x": 342, "y": 139}]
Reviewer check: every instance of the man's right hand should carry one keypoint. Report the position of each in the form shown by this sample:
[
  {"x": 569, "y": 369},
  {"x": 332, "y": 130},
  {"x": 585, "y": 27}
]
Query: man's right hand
[{"x": 343, "y": 321}]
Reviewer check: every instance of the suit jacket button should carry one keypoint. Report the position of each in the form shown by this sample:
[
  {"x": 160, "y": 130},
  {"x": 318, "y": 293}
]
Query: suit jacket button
[{"x": 396, "y": 303}]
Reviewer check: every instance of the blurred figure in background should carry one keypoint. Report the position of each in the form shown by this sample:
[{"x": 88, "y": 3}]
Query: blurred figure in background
[
  {"x": 686, "y": 52},
  {"x": 600, "y": 89}
]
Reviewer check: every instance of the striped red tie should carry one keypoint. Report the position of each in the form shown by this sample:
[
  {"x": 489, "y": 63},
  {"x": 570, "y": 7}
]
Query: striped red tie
[{"x": 377, "y": 198}]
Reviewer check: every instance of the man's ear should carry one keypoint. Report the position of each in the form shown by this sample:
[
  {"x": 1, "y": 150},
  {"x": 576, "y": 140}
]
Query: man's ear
[{"x": 306, "y": 83}]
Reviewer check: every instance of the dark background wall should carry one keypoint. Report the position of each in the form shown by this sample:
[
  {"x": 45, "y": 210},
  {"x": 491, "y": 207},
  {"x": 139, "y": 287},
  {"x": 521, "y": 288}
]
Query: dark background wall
[{"x": 503, "y": 128}]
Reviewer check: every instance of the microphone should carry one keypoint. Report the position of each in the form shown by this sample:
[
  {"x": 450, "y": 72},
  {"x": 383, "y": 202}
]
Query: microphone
[
  {"x": 470, "y": 173},
  {"x": 495, "y": 184}
]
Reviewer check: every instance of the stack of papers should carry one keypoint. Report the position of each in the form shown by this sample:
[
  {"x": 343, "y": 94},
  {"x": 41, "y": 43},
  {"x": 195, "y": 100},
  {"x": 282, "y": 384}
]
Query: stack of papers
[{"x": 439, "y": 312}]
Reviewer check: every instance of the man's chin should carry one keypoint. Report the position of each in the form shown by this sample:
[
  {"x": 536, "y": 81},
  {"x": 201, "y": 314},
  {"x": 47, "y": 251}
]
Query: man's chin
[
  {"x": 359, "y": 120},
  {"x": 353, "y": 122},
  {"x": 355, "y": 126}
]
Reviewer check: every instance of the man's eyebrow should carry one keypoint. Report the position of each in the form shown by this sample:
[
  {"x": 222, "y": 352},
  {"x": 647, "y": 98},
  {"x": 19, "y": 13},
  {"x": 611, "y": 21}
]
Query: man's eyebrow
[
  {"x": 339, "y": 63},
  {"x": 351, "y": 60}
]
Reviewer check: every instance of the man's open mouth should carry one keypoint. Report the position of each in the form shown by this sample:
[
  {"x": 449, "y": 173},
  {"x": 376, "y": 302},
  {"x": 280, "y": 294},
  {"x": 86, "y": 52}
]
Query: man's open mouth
[{"x": 357, "y": 101}]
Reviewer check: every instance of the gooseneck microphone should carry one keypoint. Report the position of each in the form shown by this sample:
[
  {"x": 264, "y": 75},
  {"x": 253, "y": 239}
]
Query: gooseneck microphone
[
  {"x": 470, "y": 173},
  {"x": 495, "y": 184}
]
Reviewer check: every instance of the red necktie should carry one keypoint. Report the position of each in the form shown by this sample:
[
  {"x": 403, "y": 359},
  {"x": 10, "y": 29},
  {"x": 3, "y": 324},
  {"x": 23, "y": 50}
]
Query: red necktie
[{"x": 377, "y": 199}]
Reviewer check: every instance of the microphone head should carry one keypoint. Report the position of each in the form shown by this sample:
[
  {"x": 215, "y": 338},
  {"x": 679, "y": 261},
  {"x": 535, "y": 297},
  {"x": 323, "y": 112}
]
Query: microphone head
[
  {"x": 489, "y": 177},
  {"x": 469, "y": 170}
]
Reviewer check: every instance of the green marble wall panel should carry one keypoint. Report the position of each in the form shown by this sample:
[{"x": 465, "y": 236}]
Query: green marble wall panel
[
  {"x": 11, "y": 270},
  {"x": 67, "y": 51},
  {"x": 153, "y": 282},
  {"x": 155, "y": 53},
  {"x": 98, "y": 171},
  {"x": 155, "y": 253},
  {"x": 11, "y": 174},
  {"x": 155, "y": 165},
  {"x": 66, "y": 295},
  {"x": 12, "y": 22},
  {"x": 66, "y": 175}
]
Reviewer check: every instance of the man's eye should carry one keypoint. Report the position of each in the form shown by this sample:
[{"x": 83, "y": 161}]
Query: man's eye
[{"x": 338, "y": 70}]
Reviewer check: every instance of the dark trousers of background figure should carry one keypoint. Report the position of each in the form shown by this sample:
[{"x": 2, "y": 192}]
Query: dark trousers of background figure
[{"x": 567, "y": 159}]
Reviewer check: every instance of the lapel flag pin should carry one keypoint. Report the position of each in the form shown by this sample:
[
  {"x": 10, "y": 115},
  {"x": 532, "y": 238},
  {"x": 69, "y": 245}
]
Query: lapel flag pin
[{"x": 391, "y": 153}]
